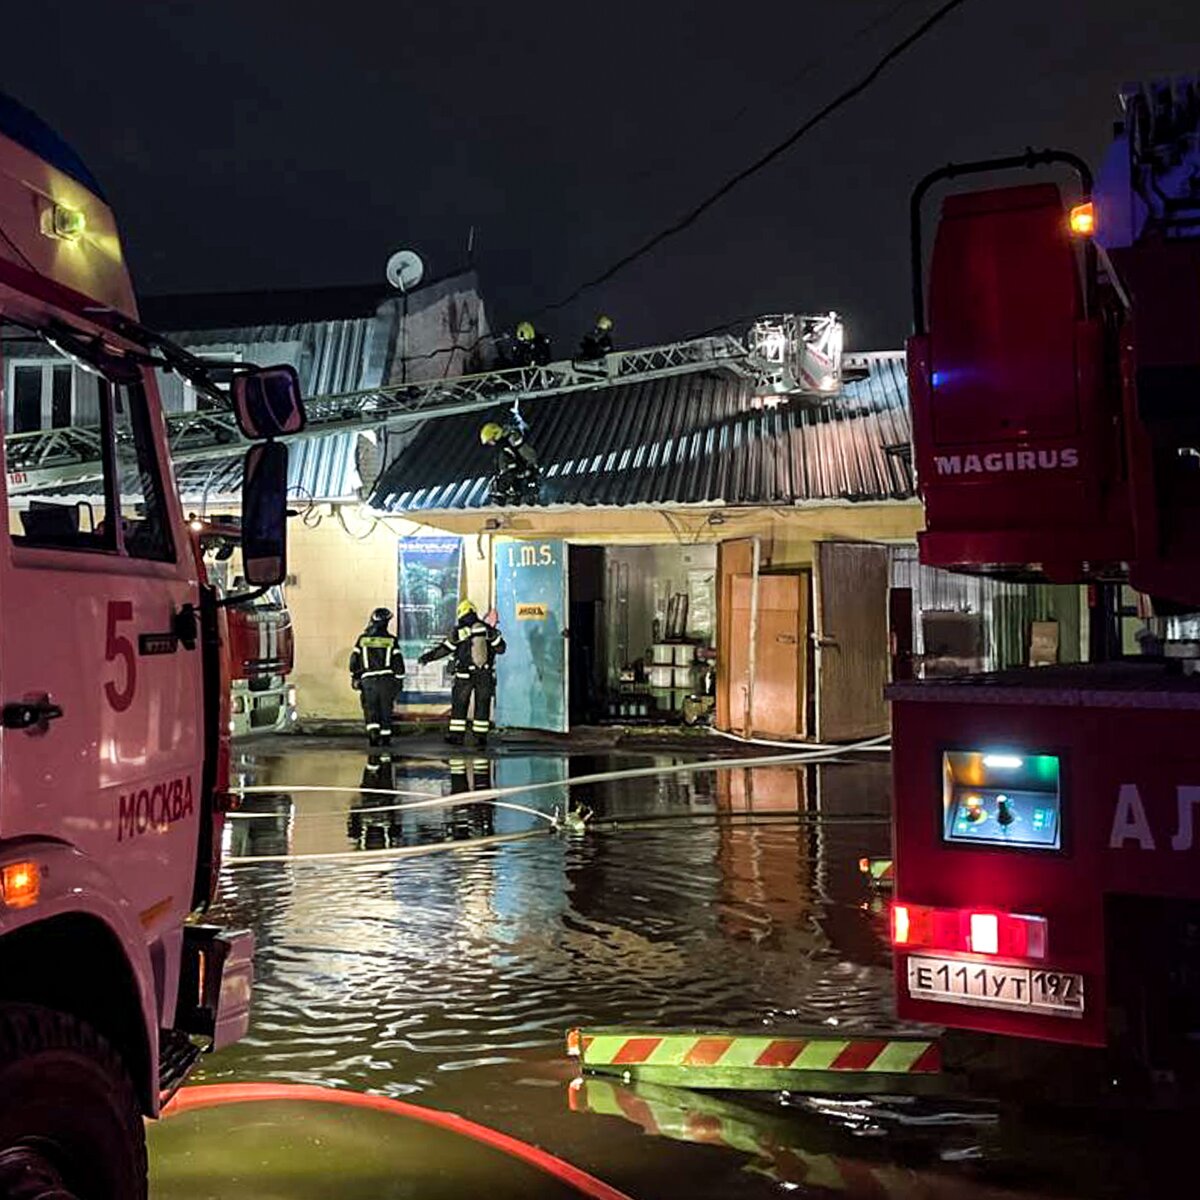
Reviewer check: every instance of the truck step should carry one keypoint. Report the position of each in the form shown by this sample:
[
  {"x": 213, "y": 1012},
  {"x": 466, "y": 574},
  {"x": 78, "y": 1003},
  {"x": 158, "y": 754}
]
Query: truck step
[{"x": 177, "y": 1055}]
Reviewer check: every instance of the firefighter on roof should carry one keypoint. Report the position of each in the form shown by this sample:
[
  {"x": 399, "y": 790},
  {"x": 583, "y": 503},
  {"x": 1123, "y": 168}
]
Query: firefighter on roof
[
  {"x": 598, "y": 342},
  {"x": 474, "y": 645},
  {"x": 531, "y": 347},
  {"x": 516, "y": 477},
  {"x": 376, "y": 672}
]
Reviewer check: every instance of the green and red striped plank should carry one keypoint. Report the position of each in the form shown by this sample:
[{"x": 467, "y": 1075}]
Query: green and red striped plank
[{"x": 733, "y": 1060}]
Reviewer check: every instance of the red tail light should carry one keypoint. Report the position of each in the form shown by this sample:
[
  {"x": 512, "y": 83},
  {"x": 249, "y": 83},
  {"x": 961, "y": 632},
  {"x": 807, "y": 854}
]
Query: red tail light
[{"x": 974, "y": 931}]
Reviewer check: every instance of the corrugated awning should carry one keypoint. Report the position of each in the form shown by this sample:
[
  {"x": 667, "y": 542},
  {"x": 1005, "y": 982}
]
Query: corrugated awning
[{"x": 693, "y": 439}]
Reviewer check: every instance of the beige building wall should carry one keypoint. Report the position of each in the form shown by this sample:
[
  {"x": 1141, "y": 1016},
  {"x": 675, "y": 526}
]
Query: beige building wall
[{"x": 342, "y": 564}]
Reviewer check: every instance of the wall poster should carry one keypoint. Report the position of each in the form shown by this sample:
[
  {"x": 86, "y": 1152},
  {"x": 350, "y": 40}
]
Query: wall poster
[{"x": 427, "y": 575}]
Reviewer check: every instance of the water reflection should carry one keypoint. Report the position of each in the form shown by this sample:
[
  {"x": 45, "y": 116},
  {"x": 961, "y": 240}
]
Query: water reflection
[
  {"x": 700, "y": 898},
  {"x": 375, "y": 973}
]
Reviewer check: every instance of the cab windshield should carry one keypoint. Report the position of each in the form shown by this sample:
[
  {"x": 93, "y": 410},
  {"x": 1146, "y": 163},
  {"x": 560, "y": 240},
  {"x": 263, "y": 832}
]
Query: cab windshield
[{"x": 82, "y": 467}]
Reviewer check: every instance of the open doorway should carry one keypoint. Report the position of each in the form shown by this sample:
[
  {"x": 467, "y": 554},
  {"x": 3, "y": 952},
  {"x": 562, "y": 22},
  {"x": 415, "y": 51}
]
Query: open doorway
[
  {"x": 586, "y": 645},
  {"x": 661, "y": 627}
]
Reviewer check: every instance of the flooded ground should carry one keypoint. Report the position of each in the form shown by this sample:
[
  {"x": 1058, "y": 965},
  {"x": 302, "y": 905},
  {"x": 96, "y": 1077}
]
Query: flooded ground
[{"x": 392, "y": 963}]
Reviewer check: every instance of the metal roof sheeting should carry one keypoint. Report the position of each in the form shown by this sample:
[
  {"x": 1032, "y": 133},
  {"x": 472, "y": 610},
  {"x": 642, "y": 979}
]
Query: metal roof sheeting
[
  {"x": 319, "y": 469},
  {"x": 691, "y": 439}
]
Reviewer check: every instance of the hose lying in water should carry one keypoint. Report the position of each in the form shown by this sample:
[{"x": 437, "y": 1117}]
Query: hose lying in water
[
  {"x": 390, "y": 852},
  {"x": 490, "y": 794},
  {"x": 215, "y": 1095}
]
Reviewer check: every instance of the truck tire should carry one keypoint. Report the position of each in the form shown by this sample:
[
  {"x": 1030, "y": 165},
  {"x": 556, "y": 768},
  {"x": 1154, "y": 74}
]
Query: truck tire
[{"x": 70, "y": 1125}]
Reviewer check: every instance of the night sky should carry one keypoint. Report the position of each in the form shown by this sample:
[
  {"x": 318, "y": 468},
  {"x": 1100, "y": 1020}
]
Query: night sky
[{"x": 249, "y": 144}]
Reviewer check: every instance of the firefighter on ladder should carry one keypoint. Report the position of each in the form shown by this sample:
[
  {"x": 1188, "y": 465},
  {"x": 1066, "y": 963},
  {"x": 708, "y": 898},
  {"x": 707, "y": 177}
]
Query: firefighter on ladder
[
  {"x": 474, "y": 645},
  {"x": 376, "y": 672},
  {"x": 532, "y": 348},
  {"x": 598, "y": 342},
  {"x": 516, "y": 477}
]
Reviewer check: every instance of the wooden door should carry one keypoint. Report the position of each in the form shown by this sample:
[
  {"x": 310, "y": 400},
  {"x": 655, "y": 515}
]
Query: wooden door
[
  {"x": 734, "y": 557},
  {"x": 778, "y": 701},
  {"x": 852, "y": 640}
]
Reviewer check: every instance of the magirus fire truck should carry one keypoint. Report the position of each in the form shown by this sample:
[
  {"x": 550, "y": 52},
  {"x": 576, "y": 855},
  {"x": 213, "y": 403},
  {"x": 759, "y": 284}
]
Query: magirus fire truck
[
  {"x": 1047, "y": 821},
  {"x": 113, "y": 760},
  {"x": 259, "y": 646}
]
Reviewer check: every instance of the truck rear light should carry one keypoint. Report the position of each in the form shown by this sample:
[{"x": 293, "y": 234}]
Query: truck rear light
[
  {"x": 985, "y": 933},
  {"x": 21, "y": 883},
  {"x": 955, "y": 930}
]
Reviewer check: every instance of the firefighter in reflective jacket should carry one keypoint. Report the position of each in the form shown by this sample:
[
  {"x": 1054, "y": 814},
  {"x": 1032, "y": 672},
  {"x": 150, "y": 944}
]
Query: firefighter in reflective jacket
[
  {"x": 474, "y": 646},
  {"x": 516, "y": 477},
  {"x": 376, "y": 671}
]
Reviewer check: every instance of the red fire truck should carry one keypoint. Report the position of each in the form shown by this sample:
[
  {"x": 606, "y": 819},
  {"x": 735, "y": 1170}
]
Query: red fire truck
[
  {"x": 113, "y": 762},
  {"x": 1047, "y": 821},
  {"x": 260, "y": 650}
]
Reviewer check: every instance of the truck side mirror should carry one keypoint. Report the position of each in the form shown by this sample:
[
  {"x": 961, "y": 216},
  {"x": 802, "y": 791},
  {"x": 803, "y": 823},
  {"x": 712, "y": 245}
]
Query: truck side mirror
[
  {"x": 264, "y": 514},
  {"x": 266, "y": 401}
]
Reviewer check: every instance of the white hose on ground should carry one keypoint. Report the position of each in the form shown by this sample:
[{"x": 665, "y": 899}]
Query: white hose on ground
[
  {"x": 881, "y": 744},
  {"x": 809, "y": 755},
  {"x": 393, "y": 852},
  {"x": 428, "y": 802}
]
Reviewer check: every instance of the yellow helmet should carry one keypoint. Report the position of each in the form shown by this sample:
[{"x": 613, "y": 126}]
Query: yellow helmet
[
  {"x": 603, "y": 321},
  {"x": 490, "y": 433},
  {"x": 525, "y": 331},
  {"x": 465, "y": 607}
]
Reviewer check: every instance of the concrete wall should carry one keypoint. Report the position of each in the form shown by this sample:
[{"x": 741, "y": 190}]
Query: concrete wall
[{"x": 448, "y": 315}]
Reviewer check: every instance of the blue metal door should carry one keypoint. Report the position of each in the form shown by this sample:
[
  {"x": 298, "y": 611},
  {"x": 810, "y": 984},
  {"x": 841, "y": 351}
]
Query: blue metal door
[{"x": 531, "y": 600}]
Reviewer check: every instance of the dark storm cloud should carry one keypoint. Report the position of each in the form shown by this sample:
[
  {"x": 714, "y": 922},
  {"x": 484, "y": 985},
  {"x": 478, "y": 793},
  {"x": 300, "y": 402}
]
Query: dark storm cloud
[{"x": 254, "y": 144}]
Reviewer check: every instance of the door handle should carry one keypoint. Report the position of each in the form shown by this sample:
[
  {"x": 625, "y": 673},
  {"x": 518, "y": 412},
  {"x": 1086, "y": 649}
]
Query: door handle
[{"x": 30, "y": 715}]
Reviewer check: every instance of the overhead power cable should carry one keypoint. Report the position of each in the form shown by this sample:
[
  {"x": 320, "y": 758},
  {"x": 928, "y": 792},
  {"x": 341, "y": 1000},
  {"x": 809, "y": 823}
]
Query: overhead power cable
[
  {"x": 802, "y": 74},
  {"x": 689, "y": 218}
]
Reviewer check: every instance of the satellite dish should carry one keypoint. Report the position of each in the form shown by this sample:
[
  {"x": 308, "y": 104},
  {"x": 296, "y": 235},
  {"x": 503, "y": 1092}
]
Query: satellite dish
[{"x": 405, "y": 270}]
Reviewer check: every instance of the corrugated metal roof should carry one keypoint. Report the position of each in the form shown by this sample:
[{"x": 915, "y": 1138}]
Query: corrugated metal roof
[
  {"x": 691, "y": 439},
  {"x": 319, "y": 469}
]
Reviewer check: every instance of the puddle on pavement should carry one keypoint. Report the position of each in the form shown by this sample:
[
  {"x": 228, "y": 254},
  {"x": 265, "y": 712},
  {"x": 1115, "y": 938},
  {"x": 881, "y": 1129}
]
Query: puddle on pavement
[{"x": 728, "y": 899}]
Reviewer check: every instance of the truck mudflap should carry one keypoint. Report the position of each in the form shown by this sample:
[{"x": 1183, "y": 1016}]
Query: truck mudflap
[{"x": 215, "y": 981}]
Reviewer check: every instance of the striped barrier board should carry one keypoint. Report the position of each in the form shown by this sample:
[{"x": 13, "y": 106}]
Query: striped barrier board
[
  {"x": 879, "y": 871},
  {"x": 807, "y": 1061},
  {"x": 783, "y": 1151}
]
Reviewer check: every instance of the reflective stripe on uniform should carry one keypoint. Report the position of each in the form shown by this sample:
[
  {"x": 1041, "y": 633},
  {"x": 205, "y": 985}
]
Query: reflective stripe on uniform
[
  {"x": 372, "y": 725},
  {"x": 369, "y": 674}
]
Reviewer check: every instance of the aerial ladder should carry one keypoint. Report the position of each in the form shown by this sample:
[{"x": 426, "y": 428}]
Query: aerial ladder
[{"x": 783, "y": 356}]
